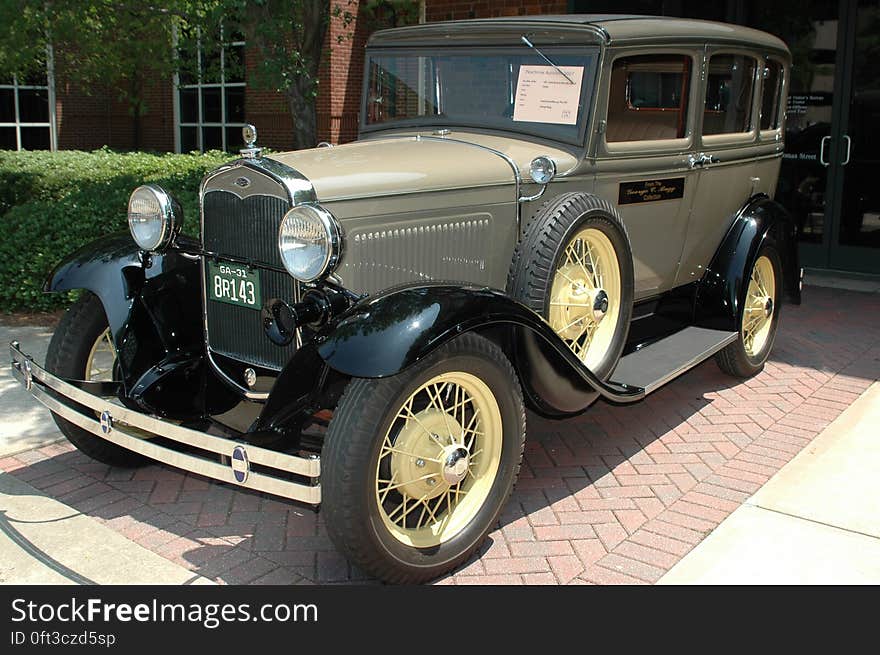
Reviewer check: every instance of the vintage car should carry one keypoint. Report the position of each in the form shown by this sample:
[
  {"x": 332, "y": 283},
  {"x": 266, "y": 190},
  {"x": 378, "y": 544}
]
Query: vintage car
[{"x": 538, "y": 213}]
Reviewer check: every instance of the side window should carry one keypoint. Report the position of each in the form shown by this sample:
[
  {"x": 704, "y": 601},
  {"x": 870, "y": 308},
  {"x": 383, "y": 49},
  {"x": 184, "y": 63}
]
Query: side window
[
  {"x": 729, "y": 88},
  {"x": 770, "y": 114},
  {"x": 648, "y": 98}
]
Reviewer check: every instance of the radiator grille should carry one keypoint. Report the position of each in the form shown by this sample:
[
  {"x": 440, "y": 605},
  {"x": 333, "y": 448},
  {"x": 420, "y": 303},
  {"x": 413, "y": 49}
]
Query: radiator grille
[{"x": 246, "y": 228}]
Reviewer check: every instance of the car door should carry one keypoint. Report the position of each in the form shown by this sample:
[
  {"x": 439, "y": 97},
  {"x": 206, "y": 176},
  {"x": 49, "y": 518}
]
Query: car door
[
  {"x": 727, "y": 156},
  {"x": 643, "y": 156}
]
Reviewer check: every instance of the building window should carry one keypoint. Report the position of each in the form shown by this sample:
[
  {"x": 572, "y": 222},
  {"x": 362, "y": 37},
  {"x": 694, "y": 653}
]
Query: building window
[
  {"x": 648, "y": 99},
  {"x": 729, "y": 89},
  {"x": 25, "y": 113},
  {"x": 211, "y": 94}
]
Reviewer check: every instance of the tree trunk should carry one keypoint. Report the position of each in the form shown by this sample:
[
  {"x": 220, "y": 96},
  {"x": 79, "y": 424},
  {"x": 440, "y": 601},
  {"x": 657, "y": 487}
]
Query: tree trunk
[{"x": 303, "y": 112}]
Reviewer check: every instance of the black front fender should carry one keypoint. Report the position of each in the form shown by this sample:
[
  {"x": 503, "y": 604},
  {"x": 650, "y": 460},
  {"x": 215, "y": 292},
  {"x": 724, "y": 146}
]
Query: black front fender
[
  {"x": 111, "y": 268},
  {"x": 153, "y": 307},
  {"x": 384, "y": 335}
]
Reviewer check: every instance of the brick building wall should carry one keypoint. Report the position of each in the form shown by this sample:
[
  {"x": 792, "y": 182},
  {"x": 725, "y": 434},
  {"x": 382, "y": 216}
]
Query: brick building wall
[
  {"x": 88, "y": 121},
  {"x": 85, "y": 121},
  {"x": 436, "y": 10}
]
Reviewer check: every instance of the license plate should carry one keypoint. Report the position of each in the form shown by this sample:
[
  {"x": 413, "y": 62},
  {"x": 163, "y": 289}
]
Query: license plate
[{"x": 234, "y": 284}]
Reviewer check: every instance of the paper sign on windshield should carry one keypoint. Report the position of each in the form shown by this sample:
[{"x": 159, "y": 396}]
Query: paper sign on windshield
[{"x": 544, "y": 95}]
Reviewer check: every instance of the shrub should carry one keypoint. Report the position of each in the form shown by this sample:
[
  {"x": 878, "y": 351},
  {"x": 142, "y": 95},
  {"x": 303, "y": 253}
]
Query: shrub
[{"x": 51, "y": 204}]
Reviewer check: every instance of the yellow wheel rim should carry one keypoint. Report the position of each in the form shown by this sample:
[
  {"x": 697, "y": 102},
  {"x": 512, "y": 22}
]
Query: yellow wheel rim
[
  {"x": 101, "y": 359},
  {"x": 760, "y": 304},
  {"x": 585, "y": 296},
  {"x": 439, "y": 459}
]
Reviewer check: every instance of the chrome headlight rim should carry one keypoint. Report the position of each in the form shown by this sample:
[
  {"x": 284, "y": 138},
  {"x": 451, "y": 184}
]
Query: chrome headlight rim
[
  {"x": 542, "y": 169},
  {"x": 332, "y": 233},
  {"x": 170, "y": 215}
]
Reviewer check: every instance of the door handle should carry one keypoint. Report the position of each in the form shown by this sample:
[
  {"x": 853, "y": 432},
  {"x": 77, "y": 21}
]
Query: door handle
[
  {"x": 848, "y": 149},
  {"x": 701, "y": 160},
  {"x": 822, "y": 160}
]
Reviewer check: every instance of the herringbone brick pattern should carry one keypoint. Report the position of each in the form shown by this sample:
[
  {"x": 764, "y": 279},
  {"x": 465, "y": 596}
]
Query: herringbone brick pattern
[{"x": 617, "y": 495}]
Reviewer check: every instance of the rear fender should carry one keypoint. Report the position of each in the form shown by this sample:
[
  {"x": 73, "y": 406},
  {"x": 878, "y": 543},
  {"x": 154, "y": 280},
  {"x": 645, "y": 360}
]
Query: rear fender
[{"x": 723, "y": 287}]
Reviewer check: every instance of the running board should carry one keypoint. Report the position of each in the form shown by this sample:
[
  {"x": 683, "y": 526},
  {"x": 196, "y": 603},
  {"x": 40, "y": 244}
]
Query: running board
[{"x": 655, "y": 365}]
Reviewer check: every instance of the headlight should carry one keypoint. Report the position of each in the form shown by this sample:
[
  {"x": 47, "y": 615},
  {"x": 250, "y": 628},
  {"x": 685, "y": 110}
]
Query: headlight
[
  {"x": 154, "y": 217},
  {"x": 542, "y": 170},
  {"x": 310, "y": 242}
]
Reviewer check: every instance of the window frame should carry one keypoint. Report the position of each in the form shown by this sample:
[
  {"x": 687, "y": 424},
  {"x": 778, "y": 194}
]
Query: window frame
[
  {"x": 651, "y": 146},
  {"x": 17, "y": 123},
  {"x": 199, "y": 85},
  {"x": 774, "y": 133},
  {"x": 731, "y": 138}
]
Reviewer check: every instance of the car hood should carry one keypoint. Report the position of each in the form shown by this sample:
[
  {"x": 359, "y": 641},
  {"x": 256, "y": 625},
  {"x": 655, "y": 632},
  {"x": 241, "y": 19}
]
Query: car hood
[{"x": 411, "y": 163}]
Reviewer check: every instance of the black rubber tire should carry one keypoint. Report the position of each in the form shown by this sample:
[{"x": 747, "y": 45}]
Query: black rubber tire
[
  {"x": 537, "y": 256},
  {"x": 733, "y": 359},
  {"x": 66, "y": 357},
  {"x": 350, "y": 456}
]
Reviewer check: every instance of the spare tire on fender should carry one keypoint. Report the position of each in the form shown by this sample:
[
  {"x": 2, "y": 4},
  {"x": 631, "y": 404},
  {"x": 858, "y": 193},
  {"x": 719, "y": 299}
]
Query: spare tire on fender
[{"x": 574, "y": 267}]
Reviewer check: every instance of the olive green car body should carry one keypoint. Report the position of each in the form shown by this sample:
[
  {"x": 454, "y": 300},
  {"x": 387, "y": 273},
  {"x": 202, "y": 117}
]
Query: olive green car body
[{"x": 418, "y": 205}]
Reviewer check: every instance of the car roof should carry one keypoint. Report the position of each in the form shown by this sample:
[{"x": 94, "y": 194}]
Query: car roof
[{"x": 608, "y": 29}]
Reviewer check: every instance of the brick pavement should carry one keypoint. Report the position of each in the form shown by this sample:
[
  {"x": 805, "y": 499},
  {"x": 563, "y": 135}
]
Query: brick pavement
[{"x": 617, "y": 495}]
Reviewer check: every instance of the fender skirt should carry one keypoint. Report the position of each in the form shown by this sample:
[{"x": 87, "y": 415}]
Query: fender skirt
[
  {"x": 383, "y": 335},
  {"x": 723, "y": 288}
]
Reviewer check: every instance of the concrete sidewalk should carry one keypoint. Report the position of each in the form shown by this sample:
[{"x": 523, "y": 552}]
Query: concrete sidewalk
[
  {"x": 817, "y": 521},
  {"x": 43, "y": 541},
  {"x": 24, "y": 424}
]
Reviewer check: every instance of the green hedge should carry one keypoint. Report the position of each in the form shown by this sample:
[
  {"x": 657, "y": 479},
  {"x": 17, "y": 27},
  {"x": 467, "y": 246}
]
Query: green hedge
[{"x": 53, "y": 203}]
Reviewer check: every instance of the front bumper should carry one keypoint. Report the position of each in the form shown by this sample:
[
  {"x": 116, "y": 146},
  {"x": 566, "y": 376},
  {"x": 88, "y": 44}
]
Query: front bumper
[{"x": 290, "y": 476}]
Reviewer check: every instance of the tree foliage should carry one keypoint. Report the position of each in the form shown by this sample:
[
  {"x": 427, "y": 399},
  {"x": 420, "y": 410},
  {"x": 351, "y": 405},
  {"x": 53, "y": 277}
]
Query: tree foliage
[{"x": 125, "y": 45}]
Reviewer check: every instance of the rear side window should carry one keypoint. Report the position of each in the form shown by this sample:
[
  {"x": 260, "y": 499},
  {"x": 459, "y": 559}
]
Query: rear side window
[
  {"x": 729, "y": 91},
  {"x": 648, "y": 98},
  {"x": 770, "y": 114}
]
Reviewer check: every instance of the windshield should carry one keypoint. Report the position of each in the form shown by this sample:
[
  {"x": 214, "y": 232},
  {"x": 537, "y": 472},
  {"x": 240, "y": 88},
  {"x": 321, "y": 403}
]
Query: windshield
[{"x": 510, "y": 89}]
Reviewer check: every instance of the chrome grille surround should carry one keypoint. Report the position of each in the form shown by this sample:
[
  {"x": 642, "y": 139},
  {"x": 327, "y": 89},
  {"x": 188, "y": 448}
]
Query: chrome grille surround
[{"x": 255, "y": 193}]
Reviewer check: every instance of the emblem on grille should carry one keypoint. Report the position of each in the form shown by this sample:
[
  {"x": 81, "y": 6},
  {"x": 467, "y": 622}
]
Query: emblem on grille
[
  {"x": 240, "y": 465},
  {"x": 250, "y": 376},
  {"x": 243, "y": 182},
  {"x": 106, "y": 422}
]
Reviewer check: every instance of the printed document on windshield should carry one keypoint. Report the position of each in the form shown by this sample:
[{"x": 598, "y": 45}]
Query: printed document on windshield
[{"x": 545, "y": 95}]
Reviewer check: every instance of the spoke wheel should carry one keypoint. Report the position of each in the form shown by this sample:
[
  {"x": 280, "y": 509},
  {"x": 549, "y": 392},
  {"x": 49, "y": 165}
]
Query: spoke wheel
[
  {"x": 439, "y": 459},
  {"x": 416, "y": 467},
  {"x": 585, "y": 296},
  {"x": 758, "y": 309},
  {"x": 759, "y": 318},
  {"x": 101, "y": 360}
]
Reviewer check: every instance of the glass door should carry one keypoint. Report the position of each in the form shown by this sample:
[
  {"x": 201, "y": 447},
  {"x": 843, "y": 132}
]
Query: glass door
[
  {"x": 812, "y": 29},
  {"x": 855, "y": 242}
]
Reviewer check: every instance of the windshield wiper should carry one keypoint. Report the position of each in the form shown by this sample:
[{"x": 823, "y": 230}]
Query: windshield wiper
[{"x": 546, "y": 58}]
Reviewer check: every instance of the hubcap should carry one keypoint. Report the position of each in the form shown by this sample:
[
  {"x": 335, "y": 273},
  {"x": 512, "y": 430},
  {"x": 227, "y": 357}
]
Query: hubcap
[
  {"x": 439, "y": 459},
  {"x": 758, "y": 310},
  {"x": 585, "y": 295}
]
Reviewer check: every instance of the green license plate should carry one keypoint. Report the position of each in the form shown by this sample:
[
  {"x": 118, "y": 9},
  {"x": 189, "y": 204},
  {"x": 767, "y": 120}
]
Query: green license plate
[{"x": 234, "y": 284}]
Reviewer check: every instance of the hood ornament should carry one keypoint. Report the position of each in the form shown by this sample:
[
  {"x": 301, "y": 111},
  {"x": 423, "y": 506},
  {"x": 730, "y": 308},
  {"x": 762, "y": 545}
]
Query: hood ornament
[{"x": 250, "y": 150}]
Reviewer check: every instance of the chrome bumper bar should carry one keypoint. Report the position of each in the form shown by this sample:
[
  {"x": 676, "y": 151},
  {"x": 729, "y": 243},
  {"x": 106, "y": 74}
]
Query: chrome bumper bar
[{"x": 116, "y": 422}]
